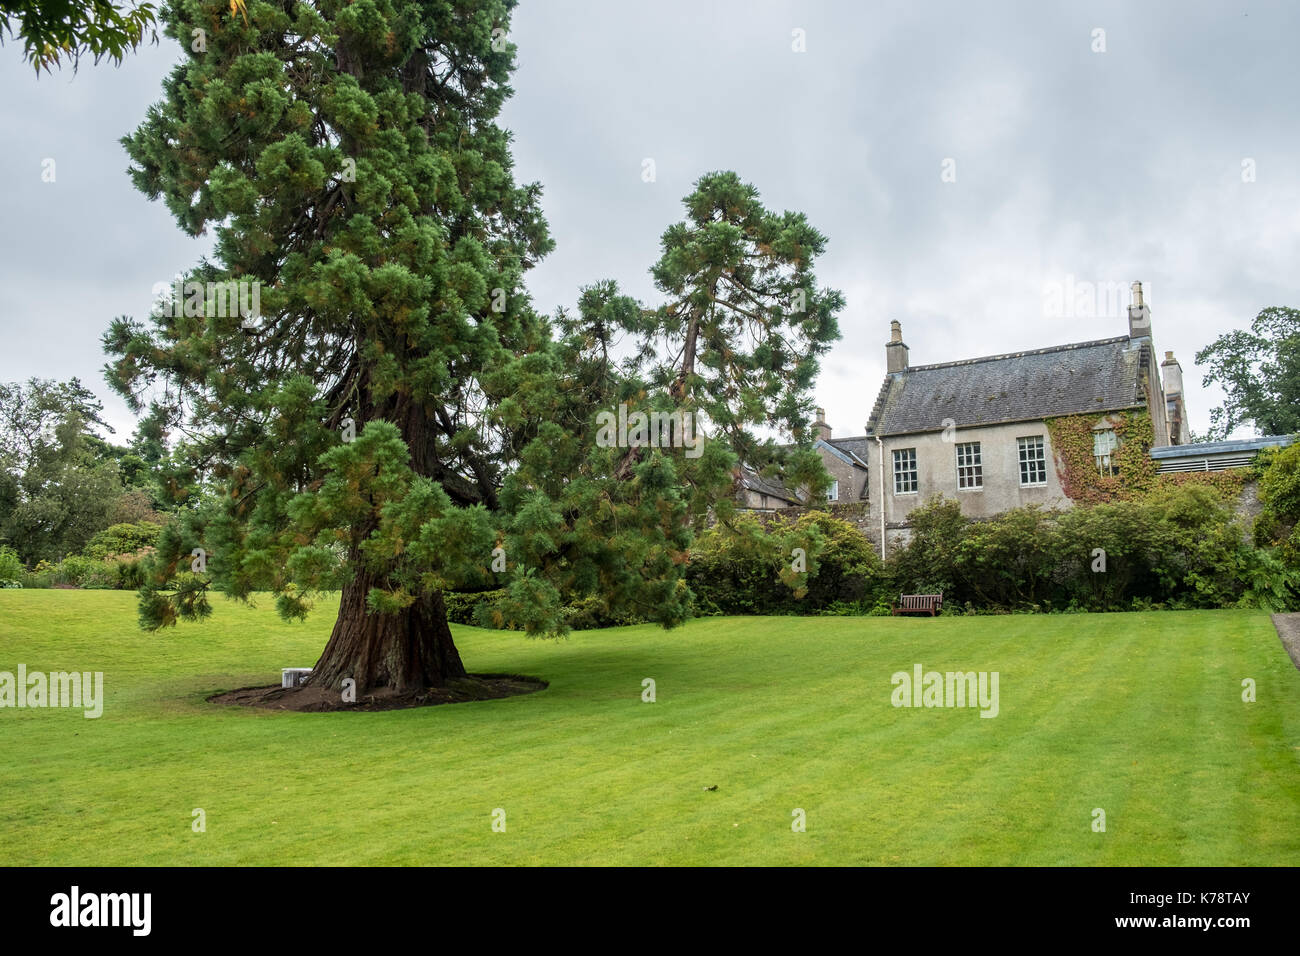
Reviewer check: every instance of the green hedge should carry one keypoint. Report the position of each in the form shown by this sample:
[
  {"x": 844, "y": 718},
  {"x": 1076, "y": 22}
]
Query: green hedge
[
  {"x": 1182, "y": 547},
  {"x": 119, "y": 572}
]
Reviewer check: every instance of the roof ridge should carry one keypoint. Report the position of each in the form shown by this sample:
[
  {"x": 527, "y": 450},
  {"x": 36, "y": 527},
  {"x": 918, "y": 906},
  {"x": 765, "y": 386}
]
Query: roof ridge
[{"x": 1009, "y": 355}]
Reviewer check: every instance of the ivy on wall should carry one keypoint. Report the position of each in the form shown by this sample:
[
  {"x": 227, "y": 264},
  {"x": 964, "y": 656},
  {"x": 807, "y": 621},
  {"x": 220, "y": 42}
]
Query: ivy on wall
[{"x": 1072, "y": 444}]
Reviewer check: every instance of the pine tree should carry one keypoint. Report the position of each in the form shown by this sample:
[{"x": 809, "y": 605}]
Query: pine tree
[{"x": 738, "y": 339}]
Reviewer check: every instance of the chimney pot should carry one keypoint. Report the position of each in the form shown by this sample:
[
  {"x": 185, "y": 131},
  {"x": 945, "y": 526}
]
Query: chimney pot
[
  {"x": 1139, "y": 315},
  {"x": 895, "y": 331}
]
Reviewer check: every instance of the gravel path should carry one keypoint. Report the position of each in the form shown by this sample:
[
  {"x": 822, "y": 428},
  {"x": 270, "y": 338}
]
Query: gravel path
[{"x": 1288, "y": 628}]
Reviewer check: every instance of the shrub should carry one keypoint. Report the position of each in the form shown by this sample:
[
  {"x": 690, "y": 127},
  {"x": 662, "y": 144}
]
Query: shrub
[
  {"x": 747, "y": 567},
  {"x": 475, "y": 609},
  {"x": 126, "y": 538},
  {"x": 1179, "y": 546},
  {"x": 117, "y": 572},
  {"x": 927, "y": 564},
  {"x": 41, "y": 576},
  {"x": 462, "y": 606},
  {"x": 591, "y": 612},
  {"x": 1278, "y": 524},
  {"x": 11, "y": 568}
]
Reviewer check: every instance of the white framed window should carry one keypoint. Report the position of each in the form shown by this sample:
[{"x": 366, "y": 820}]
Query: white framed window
[
  {"x": 1104, "y": 445},
  {"x": 834, "y": 493},
  {"x": 905, "y": 471},
  {"x": 1033, "y": 460},
  {"x": 970, "y": 466}
]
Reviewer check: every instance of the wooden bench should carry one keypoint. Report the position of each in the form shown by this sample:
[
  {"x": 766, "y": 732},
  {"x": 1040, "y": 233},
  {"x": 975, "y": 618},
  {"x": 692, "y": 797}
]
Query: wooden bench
[{"x": 930, "y": 604}]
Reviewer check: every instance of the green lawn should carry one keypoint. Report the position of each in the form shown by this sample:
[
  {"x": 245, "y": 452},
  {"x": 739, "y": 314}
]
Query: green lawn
[{"x": 1138, "y": 714}]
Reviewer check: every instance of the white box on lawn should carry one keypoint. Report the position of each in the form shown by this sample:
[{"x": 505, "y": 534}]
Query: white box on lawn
[{"x": 294, "y": 676}]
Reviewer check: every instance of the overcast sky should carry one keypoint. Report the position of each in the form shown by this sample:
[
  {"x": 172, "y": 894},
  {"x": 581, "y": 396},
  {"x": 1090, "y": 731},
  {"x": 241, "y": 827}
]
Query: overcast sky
[{"x": 1071, "y": 165}]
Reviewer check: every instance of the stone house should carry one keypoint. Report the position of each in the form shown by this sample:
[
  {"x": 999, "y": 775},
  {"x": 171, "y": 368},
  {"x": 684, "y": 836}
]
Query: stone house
[
  {"x": 976, "y": 430},
  {"x": 842, "y": 458}
]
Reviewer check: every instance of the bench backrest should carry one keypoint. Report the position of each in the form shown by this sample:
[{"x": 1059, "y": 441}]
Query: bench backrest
[{"x": 920, "y": 600}]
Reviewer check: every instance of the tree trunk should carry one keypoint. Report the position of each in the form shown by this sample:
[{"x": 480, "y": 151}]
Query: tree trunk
[
  {"x": 409, "y": 651},
  {"x": 412, "y": 649}
]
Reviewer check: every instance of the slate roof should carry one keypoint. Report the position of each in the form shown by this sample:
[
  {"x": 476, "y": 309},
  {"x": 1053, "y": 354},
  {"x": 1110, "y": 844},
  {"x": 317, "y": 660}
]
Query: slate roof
[
  {"x": 1099, "y": 376},
  {"x": 753, "y": 481},
  {"x": 859, "y": 448}
]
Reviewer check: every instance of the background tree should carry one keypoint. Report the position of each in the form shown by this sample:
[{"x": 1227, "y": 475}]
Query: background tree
[
  {"x": 1259, "y": 371},
  {"x": 56, "y": 489},
  {"x": 55, "y": 30}
]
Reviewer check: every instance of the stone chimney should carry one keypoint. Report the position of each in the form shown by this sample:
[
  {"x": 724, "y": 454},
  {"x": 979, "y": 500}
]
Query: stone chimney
[
  {"x": 1175, "y": 404},
  {"x": 1139, "y": 316},
  {"x": 823, "y": 430},
  {"x": 895, "y": 350},
  {"x": 1172, "y": 373}
]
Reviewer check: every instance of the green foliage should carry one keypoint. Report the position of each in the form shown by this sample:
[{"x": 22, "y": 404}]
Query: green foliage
[
  {"x": 462, "y": 607},
  {"x": 748, "y": 567},
  {"x": 54, "y": 30},
  {"x": 480, "y": 609},
  {"x": 1279, "y": 493},
  {"x": 125, "y": 538},
  {"x": 115, "y": 572},
  {"x": 1136, "y": 472},
  {"x": 1180, "y": 546},
  {"x": 56, "y": 490},
  {"x": 398, "y": 415},
  {"x": 11, "y": 568},
  {"x": 1259, "y": 371},
  {"x": 926, "y": 565}
]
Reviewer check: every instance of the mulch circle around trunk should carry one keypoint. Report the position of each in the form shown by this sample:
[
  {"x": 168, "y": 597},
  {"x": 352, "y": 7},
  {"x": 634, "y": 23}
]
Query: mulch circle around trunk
[{"x": 323, "y": 699}]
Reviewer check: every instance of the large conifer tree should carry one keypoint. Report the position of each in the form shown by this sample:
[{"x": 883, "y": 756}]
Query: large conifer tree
[{"x": 397, "y": 421}]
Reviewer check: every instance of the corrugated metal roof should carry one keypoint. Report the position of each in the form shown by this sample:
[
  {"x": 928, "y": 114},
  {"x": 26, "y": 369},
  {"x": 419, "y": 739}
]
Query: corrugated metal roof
[{"x": 1234, "y": 447}]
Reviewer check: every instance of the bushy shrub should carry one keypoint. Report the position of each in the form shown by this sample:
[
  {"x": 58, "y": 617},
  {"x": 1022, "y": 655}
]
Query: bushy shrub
[
  {"x": 41, "y": 576},
  {"x": 117, "y": 572},
  {"x": 125, "y": 538},
  {"x": 927, "y": 564},
  {"x": 812, "y": 564},
  {"x": 1178, "y": 547},
  {"x": 11, "y": 568},
  {"x": 461, "y": 606},
  {"x": 475, "y": 609},
  {"x": 1278, "y": 525},
  {"x": 591, "y": 612}
]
